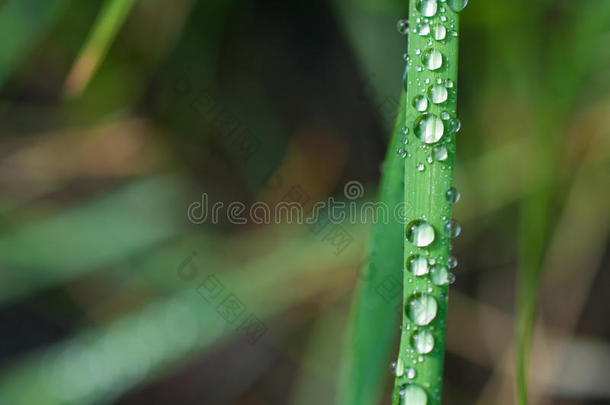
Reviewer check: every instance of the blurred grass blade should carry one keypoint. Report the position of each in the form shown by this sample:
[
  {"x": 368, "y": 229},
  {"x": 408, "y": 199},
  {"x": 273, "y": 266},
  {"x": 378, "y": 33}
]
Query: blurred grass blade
[
  {"x": 81, "y": 239},
  {"x": 375, "y": 313},
  {"x": 91, "y": 55},
  {"x": 22, "y": 24}
]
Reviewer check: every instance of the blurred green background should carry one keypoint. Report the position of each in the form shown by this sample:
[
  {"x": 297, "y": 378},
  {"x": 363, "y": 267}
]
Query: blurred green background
[{"x": 115, "y": 116}]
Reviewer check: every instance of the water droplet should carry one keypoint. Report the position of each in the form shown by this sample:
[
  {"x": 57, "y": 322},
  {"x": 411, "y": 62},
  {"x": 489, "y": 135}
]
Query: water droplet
[
  {"x": 405, "y": 57},
  {"x": 438, "y": 94},
  {"x": 429, "y": 128},
  {"x": 403, "y": 26},
  {"x": 440, "y": 153},
  {"x": 420, "y": 167},
  {"x": 451, "y": 278},
  {"x": 445, "y": 115},
  {"x": 418, "y": 51},
  {"x": 417, "y": 265},
  {"x": 423, "y": 29},
  {"x": 410, "y": 373},
  {"x": 452, "y": 228},
  {"x": 449, "y": 83},
  {"x": 399, "y": 368},
  {"x": 422, "y": 309},
  {"x": 420, "y": 233},
  {"x": 420, "y": 103},
  {"x": 401, "y": 152},
  {"x": 439, "y": 32},
  {"x": 457, "y": 5},
  {"x": 405, "y": 130},
  {"x": 432, "y": 59},
  {"x": 423, "y": 342},
  {"x": 439, "y": 275},
  {"x": 427, "y": 8},
  {"x": 457, "y": 124},
  {"x": 452, "y": 195},
  {"x": 452, "y": 262},
  {"x": 412, "y": 394}
]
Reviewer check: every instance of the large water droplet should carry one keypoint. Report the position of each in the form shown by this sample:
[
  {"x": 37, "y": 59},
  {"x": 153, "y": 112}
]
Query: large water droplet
[
  {"x": 439, "y": 32},
  {"x": 429, "y": 128},
  {"x": 457, "y": 5},
  {"x": 420, "y": 233},
  {"x": 438, "y": 94},
  {"x": 403, "y": 26},
  {"x": 422, "y": 309},
  {"x": 417, "y": 265},
  {"x": 412, "y": 394},
  {"x": 452, "y": 228},
  {"x": 423, "y": 342},
  {"x": 432, "y": 59},
  {"x": 439, "y": 274},
  {"x": 452, "y": 195},
  {"x": 420, "y": 103},
  {"x": 427, "y": 8}
]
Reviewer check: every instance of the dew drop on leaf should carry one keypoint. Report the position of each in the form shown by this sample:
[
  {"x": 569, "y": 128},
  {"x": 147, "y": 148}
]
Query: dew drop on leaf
[
  {"x": 417, "y": 265},
  {"x": 427, "y": 8},
  {"x": 452, "y": 228},
  {"x": 439, "y": 275},
  {"x": 437, "y": 94},
  {"x": 420, "y": 103},
  {"x": 420, "y": 233},
  {"x": 457, "y": 5},
  {"x": 429, "y": 128},
  {"x": 412, "y": 394},
  {"x": 439, "y": 153},
  {"x": 432, "y": 59},
  {"x": 422, "y": 309},
  {"x": 452, "y": 195},
  {"x": 423, "y": 342},
  {"x": 403, "y": 26}
]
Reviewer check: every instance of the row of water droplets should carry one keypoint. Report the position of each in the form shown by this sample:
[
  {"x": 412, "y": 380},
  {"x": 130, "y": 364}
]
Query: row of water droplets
[{"x": 430, "y": 129}]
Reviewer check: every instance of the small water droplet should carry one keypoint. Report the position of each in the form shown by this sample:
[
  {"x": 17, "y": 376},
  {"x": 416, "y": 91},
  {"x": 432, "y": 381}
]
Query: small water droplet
[
  {"x": 457, "y": 5},
  {"x": 452, "y": 195},
  {"x": 423, "y": 342},
  {"x": 417, "y": 265},
  {"x": 438, "y": 94},
  {"x": 432, "y": 59},
  {"x": 402, "y": 153},
  {"x": 420, "y": 103},
  {"x": 405, "y": 130},
  {"x": 429, "y": 128},
  {"x": 445, "y": 115},
  {"x": 439, "y": 32},
  {"x": 420, "y": 233},
  {"x": 439, "y": 153},
  {"x": 423, "y": 29},
  {"x": 449, "y": 83},
  {"x": 399, "y": 369},
  {"x": 412, "y": 394},
  {"x": 410, "y": 372},
  {"x": 451, "y": 278},
  {"x": 452, "y": 228},
  {"x": 422, "y": 309},
  {"x": 420, "y": 167},
  {"x": 452, "y": 262},
  {"x": 457, "y": 124},
  {"x": 403, "y": 26},
  {"x": 427, "y": 8}
]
